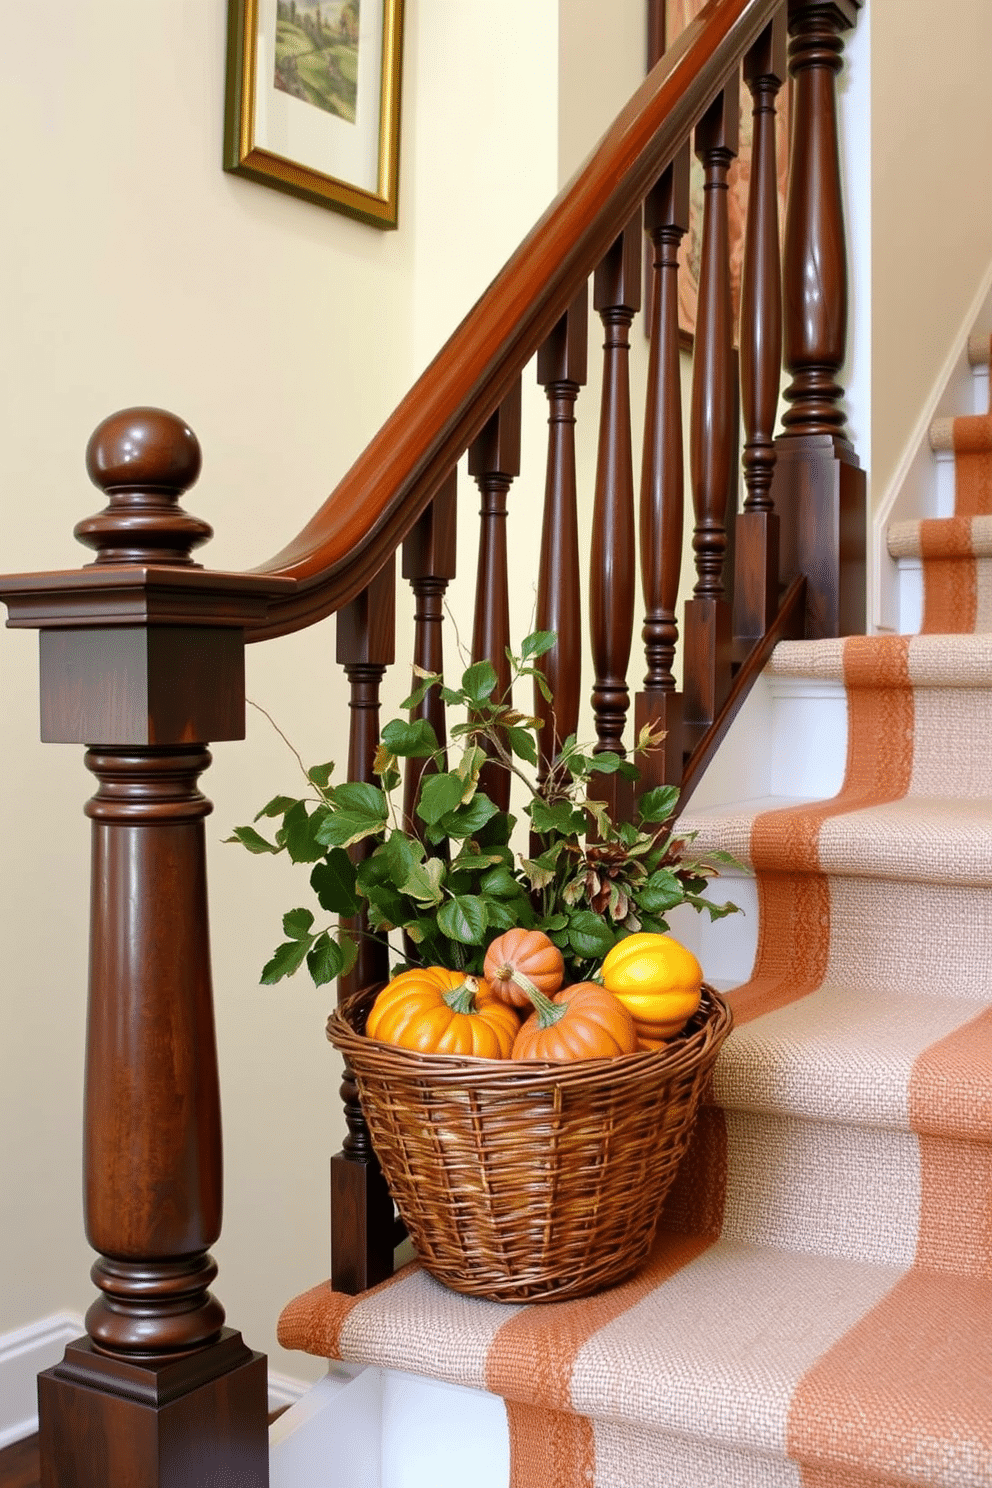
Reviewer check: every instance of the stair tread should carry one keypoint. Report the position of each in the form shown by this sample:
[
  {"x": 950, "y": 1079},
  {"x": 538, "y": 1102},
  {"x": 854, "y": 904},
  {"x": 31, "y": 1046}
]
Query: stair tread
[
  {"x": 733, "y": 1343},
  {"x": 846, "y": 1055},
  {"x": 942, "y": 661},
  {"x": 945, "y": 839},
  {"x": 941, "y": 538}
]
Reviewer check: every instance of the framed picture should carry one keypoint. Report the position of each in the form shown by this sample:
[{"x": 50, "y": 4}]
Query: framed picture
[
  {"x": 313, "y": 101},
  {"x": 667, "y": 19}
]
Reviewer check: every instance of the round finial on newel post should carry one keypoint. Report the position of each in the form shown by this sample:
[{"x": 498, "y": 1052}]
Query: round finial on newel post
[{"x": 144, "y": 459}]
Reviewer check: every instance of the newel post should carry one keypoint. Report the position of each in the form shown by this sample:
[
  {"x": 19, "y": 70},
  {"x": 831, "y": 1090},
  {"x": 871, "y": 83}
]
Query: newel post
[
  {"x": 142, "y": 661},
  {"x": 819, "y": 486}
]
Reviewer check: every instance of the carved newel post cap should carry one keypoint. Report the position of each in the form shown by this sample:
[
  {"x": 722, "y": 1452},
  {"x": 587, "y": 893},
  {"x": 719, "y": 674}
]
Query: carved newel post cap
[{"x": 143, "y": 459}]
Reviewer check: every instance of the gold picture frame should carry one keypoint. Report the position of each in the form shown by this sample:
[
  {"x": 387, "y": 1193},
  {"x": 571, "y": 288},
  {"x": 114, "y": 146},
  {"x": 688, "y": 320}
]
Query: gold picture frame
[{"x": 313, "y": 101}]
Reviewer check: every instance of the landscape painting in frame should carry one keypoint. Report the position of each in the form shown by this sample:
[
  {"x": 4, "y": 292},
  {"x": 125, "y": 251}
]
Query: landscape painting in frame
[
  {"x": 678, "y": 14},
  {"x": 313, "y": 93}
]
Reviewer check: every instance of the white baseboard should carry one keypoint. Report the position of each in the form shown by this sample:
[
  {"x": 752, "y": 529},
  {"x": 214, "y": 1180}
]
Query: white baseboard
[{"x": 25, "y": 1352}]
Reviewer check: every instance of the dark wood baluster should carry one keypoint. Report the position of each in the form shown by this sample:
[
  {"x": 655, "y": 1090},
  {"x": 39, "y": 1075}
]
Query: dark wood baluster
[
  {"x": 666, "y": 219},
  {"x": 429, "y": 565},
  {"x": 561, "y": 370},
  {"x": 617, "y": 298},
  {"x": 708, "y": 651},
  {"x": 362, "y": 1231},
  {"x": 494, "y": 460},
  {"x": 756, "y": 588},
  {"x": 819, "y": 487},
  {"x": 159, "y": 1392}
]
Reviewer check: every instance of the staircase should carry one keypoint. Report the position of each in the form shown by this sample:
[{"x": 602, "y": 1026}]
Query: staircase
[{"x": 818, "y": 1308}]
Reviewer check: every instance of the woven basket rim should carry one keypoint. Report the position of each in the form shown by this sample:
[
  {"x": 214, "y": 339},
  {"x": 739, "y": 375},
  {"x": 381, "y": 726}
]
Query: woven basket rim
[{"x": 714, "y": 1019}]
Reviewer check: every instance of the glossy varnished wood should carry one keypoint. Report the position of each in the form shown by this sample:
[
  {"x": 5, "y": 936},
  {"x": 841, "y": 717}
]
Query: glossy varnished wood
[
  {"x": 662, "y": 500},
  {"x": 561, "y": 370},
  {"x": 819, "y": 488},
  {"x": 494, "y": 461},
  {"x": 708, "y": 638},
  {"x": 380, "y": 498},
  {"x": 757, "y": 538},
  {"x": 429, "y": 562},
  {"x": 617, "y": 298},
  {"x": 160, "y": 1392}
]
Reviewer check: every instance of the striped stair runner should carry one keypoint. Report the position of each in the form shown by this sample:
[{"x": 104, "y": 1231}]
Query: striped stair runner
[
  {"x": 817, "y": 1312},
  {"x": 956, "y": 551}
]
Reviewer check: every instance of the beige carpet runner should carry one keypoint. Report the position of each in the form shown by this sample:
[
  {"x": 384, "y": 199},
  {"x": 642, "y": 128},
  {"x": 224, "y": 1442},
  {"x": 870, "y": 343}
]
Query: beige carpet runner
[
  {"x": 817, "y": 1312},
  {"x": 956, "y": 552}
]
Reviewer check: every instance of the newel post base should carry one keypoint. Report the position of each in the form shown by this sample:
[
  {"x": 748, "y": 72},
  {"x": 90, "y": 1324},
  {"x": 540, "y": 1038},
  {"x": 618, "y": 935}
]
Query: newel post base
[
  {"x": 196, "y": 1420},
  {"x": 820, "y": 491}
]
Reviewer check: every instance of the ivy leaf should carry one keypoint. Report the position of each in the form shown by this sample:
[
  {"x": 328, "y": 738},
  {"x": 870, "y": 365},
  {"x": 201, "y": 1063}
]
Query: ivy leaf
[
  {"x": 537, "y": 643},
  {"x": 399, "y": 856},
  {"x": 287, "y": 960},
  {"x": 605, "y": 763},
  {"x": 479, "y": 682},
  {"x": 660, "y": 892},
  {"x": 296, "y": 923},
  {"x": 468, "y": 820},
  {"x": 253, "y": 841},
  {"x": 521, "y": 741},
  {"x": 333, "y": 881},
  {"x": 657, "y": 805},
  {"x": 589, "y": 935},
  {"x": 300, "y": 833},
  {"x": 357, "y": 795},
  {"x": 420, "y": 692},
  {"x": 502, "y": 915},
  {"x": 439, "y": 794},
  {"x": 463, "y": 918},
  {"x": 424, "y": 882},
  {"x": 321, "y": 774},
  {"x": 415, "y": 740},
  {"x": 325, "y": 960},
  {"x": 499, "y": 883},
  {"x": 342, "y": 828},
  {"x": 562, "y": 818},
  {"x": 278, "y": 806}
]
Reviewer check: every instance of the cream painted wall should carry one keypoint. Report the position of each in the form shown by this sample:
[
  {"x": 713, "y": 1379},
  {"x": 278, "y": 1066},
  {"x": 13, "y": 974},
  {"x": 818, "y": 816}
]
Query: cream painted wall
[
  {"x": 932, "y": 228},
  {"x": 136, "y": 271}
]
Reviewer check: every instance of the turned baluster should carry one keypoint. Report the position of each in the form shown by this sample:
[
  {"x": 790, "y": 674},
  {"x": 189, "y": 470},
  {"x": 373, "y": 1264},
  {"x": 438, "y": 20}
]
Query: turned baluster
[
  {"x": 159, "y": 1392},
  {"x": 819, "y": 488},
  {"x": 362, "y": 1230},
  {"x": 561, "y": 370},
  {"x": 494, "y": 460},
  {"x": 617, "y": 298},
  {"x": 756, "y": 588},
  {"x": 708, "y": 642},
  {"x": 666, "y": 219},
  {"x": 429, "y": 565}
]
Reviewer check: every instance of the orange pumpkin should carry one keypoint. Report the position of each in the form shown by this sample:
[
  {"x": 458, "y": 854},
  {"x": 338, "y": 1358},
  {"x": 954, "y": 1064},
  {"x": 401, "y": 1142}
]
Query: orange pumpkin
[
  {"x": 583, "y": 1021},
  {"x": 437, "y": 1011},
  {"x": 520, "y": 961}
]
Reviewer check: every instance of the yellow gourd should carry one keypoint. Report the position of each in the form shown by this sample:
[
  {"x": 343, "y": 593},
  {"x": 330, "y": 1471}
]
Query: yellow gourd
[{"x": 658, "y": 981}]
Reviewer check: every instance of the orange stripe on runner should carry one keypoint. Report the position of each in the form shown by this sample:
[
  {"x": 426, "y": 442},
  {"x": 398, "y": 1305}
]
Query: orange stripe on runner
[
  {"x": 950, "y": 1104},
  {"x": 950, "y": 576},
  {"x": 793, "y": 895},
  {"x": 972, "y": 465},
  {"x": 312, "y": 1322},
  {"x": 914, "y": 1371},
  {"x": 536, "y": 1350}
]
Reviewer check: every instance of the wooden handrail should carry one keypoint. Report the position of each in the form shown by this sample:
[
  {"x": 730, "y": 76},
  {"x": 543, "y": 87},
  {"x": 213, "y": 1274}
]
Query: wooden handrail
[{"x": 377, "y": 502}]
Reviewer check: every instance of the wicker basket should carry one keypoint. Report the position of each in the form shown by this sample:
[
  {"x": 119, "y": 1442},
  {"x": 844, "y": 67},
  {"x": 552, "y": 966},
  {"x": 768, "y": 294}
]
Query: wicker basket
[{"x": 520, "y": 1181}]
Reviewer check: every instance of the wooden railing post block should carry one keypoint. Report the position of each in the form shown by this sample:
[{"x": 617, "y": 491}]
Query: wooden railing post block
[
  {"x": 617, "y": 298},
  {"x": 494, "y": 461},
  {"x": 666, "y": 220},
  {"x": 708, "y": 652},
  {"x": 756, "y": 587},
  {"x": 142, "y": 660},
  {"x": 819, "y": 487}
]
